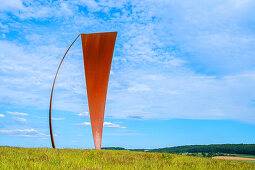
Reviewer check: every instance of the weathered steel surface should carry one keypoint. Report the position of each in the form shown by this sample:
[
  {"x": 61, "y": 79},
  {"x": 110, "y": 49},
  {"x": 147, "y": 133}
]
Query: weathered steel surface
[{"x": 97, "y": 54}]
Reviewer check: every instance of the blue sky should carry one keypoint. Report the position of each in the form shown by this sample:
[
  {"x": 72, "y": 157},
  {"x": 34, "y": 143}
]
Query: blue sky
[{"x": 183, "y": 72}]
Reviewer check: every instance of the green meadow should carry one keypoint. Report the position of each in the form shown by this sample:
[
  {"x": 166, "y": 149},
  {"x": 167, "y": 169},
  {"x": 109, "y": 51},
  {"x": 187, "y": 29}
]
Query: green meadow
[
  {"x": 245, "y": 156},
  {"x": 45, "y": 158}
]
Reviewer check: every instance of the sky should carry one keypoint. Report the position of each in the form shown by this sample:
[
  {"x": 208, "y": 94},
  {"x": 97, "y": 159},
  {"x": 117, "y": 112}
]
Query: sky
[{"x": 183, "y": 72}]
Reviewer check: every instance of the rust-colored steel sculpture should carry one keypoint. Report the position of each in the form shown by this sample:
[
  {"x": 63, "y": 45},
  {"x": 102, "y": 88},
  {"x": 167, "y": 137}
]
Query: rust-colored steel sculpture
[{"x": 97, "y": 56}]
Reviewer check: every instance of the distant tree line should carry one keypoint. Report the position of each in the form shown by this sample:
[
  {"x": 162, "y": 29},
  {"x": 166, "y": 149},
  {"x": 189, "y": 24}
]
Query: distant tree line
[
  {"x": 219, "y": 148},
  {"x": 113, "y": 148},
  {"x": 205, "y": 150}
]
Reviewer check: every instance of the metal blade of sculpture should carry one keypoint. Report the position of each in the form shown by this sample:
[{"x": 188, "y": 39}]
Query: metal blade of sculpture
[{"x": 97, "y": 56}]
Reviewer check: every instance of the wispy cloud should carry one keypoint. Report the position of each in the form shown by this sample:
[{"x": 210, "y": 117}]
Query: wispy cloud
[
  {"x": 84, "y": 124},
  {"x": 11, "y": 131},
  {"x": 193, "y": 62},
  {"x": 60, "y": 118},
  {"x": 2, "y": 115},
  {"x": 124, "y": 134},
  {"x": 11, "y": 4},
  {"x": 4, "y": 28},
  {"x": 23, "y": 132},
  {"x": 74, "y": 141},
  {"x": 113, "y": 125},
  {"x": 17, "y": 113},
  {"x": 106, "y": 124},
  {"x": 19, "y": 119},
  {"x": 83, "y": 114},
  {"x": 32, "y": 9},
  {"x": 139, "y": 88},
  {"x": 135, "y": 117}
]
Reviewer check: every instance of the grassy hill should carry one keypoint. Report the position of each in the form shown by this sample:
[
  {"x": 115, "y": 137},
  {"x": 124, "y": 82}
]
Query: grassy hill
[
  {"x": 44, "y": 158},
  {"x": 216, "y": 148},
  {"x": 201, "y": 150}
]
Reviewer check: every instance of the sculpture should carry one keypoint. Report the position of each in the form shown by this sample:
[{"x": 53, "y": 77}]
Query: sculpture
[{"x": 97, "y": 56}]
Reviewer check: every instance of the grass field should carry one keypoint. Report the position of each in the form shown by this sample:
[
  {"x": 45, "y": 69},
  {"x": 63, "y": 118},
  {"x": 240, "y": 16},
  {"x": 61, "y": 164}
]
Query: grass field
[
  {"x": 44, "y": 158},
  {"x": 245, "y": 156}
]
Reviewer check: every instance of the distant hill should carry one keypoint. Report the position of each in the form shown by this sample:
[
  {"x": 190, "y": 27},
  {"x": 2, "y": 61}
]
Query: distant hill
[
  {"x": 215, "y": 148},
  {"x": 113, "y": 148},
  {"x": 219, "y": 148}
]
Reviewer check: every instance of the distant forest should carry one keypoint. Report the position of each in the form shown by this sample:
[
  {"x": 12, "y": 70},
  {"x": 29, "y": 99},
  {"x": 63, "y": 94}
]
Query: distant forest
[{"x": 215, "y": 148}]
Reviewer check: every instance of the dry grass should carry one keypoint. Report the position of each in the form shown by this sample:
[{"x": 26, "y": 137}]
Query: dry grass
[
  {"x": 232, "y": 158},
  {"x": 44, "y": 158}
]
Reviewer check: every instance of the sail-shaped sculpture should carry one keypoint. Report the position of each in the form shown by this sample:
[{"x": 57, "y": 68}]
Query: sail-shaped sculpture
[{"x": 97, "y": 56}]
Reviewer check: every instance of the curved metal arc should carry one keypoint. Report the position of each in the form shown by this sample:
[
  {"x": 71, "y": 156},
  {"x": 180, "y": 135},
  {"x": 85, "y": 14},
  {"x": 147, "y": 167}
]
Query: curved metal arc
[{"x": 50, "y": 120}]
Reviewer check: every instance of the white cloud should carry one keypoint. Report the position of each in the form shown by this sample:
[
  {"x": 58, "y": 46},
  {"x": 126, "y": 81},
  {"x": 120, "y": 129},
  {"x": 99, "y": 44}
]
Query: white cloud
[
  {"x": 139, "y": 88},
  {"x": 33, "y": 9},
  {"x": 124, "y": 134},
  {"x": 65, "y": 10},
  {"x": 83, "y": 114},
  {"x": 19, "y": 119},
  {"x": 11, "y": 131},
  {"x": 23, "y": 132},
  {"x": 2, "y": 115},
  {"x": 84, "y": 124},
  {"x": 106, "y": 124},
  {"x": 38, "y": 82},
  {"x": 166, "y": 64},
  {"x": 113, "y": 125},
  {"x": 183, "y": 94},
  {"x": 60, "y": 118},
  {"x": 11, "y": 4},
  {"x": 17, "y": 113},
  {"x": 4, "y": 28}
]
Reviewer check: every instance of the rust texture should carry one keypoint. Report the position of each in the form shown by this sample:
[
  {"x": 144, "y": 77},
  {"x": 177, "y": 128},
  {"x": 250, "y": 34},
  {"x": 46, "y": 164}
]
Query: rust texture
[{"x": 97, "y": 55}]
